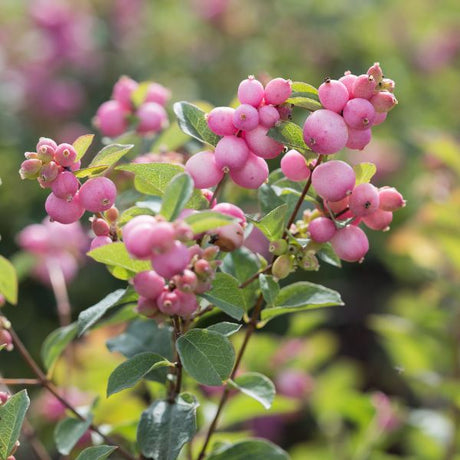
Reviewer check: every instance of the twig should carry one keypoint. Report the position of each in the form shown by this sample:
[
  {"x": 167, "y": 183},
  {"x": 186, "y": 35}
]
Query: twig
[
  {"x": 175, "y": 388},
  {"x": 20, "y": 381}
]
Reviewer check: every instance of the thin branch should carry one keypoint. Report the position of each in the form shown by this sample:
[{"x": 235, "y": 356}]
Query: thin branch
[
  {"x": 175, "y": 388},
  {"x": 20, "y": 381}
]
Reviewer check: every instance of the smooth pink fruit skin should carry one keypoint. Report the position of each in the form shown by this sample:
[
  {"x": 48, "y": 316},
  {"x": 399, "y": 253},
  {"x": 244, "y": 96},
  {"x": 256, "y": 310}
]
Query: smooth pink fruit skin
[
  {"x": 204, "y": 170},
  {"x": 100, "y": 241},
  {"x": 348, "y": 80},
  {"x": 149, "y": 284},
  {"x": 321, "y": 229},
  {"x": 152, "y": 118},
  {"x": 229, "y": 237},
  {"x": 325, "y": 132},
  {"x": 188, "y": 303},
  {"x": 333, "y": 95},
  {"x": 358, "y": 138},
  {"x": 123, "y": 90},
  {"x": 64, "y": 211},
  {"x": 164, "y": 233},
  {"x": 337, "y": 206},
  {"x": 364, "y": 86},
  {"x": 364, "y": 200},
  {"x": 379, "y": 220},
  {"x": 48, "y": 173},
  {"x": 390, "y": 199},
  {"x": 253, "y": 174},
  {"x": 172, "y": 262},
  {"x": 333, "y": 180},
  {"x": 380, "y": 117},
  {"x": 147, "y": 307},
  {"x": 139, "y": 240},
  {"x": 350, "y": 243},
  {"x": 50, "y": 145},
  {"x": 383, "y": 101},
  {"x": 220, "y": 121},
  {"x": 34, "y": 238},
  {"x": 294, "y": 166},
  {"x": 169, "y": 303},
  {"x": 157, "y": 93},
  {"x": 100, "y": 227},
  {"x": 261, "y": 144},
  {"x": 359, "y": 113},
  {"x": 251, "y": 91},
  {"x": 268, "y": 116},
  {"x": 98, "y": 194},
  {"x": 30, "y": 168},
  {"x": 231, "y": 153},
  {"x": 135, "y": 221},
  {"x": 277, "y": 91},
  {"x": 65, "y": 154},
  {"x": 246, "y": 117},
  {"x": 111, "y": 119},
  {"x": 231, "y": 210},
  {"x": 65, "y": 186}
]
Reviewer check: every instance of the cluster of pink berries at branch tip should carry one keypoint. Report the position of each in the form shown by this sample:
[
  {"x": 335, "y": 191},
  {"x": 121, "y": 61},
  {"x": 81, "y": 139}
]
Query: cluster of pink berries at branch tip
[
  {"x": 139, "y": 104},
  {"x": 244, "y": 145},
  {"x": 53, "y": 166},
  {"x": 178, "y": 273},
  {"x": 352, "y": 106}
]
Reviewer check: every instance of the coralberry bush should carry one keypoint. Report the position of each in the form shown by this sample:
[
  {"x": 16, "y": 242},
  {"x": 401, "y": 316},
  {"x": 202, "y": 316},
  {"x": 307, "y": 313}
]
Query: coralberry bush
[{"x": 183, "y": 251}]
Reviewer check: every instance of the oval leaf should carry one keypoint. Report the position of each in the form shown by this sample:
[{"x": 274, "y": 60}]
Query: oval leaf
[
  {"x": 96, "y": 453},
  {"x": 257, "y": 386},
  {"x": 56, "y": 342},
  {"x": 289, "y": 134},
  {"x": 364, "y": 172},
  {"x": 255, "y": 449},
  {"x": 176, "y": 196},
  {"x": 110, "y": 154},
  {"x": 272, "y": 224},
  {"x": 203, "y": 221},
  {"x": 225, "y": 328},
  {"x": 269, "y": 287},
  {"x": 207, "y": 356},
  {"x": 82, "y": 144},
  {"x": 8, "y": 281},
  {"x": 68, "y": 432}
]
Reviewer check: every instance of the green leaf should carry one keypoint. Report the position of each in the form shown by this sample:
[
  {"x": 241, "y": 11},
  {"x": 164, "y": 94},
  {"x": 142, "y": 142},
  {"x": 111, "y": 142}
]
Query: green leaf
[
  {"x": 364, "y": 172},
  {"x": 56, "y": 342},
  {"x": 269, "y": 287},
  {"x": 92, "y": 314},
  {"x": 139, "y": 94},
  {"x": 165, "y": 427},
  {"x": 203, "y": 221},
  {"x": 91, "y": 172},
  {"x": 127, "y": 374},
  {"x": 299, "y": 88},
  {"x": 82, "y": 144},
  {"x": 257, "y": 386},
  {"x": 192, "y": 120},
  {"x": 96, "y": 453},
  {"x": 268, "y": 198},
  {"x": 272, "y": 224},
  {"x": 176, "y": 196},
  {"x": 68, "y": 432},
  {"x": 12, "y": 415},
  {"x": 301, "y": 296},
  {"x": 225, "y": 328},
  {"x": 8, "y": 281},
  {"x": 327, "y": 254},
  {"x": 116, "y": 255},
  {"x": 254, "y": 449},
  {"x": 226, "y": 295},
  {"x": 110, "y": 155},
  {"x": 289, "y": 134},
  {"x": 207, "y": 356},
  {"x": 305, "y": 103},
  {"x": 170, "y": 139}
]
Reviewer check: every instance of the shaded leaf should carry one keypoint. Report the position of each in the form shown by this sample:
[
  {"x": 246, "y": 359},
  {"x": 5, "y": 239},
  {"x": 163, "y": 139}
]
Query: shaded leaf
[
  {"x": 225, "y": 328},
  {"x": 68, "y": 432},
  {"x": 289, "y": 134},
  {"x": 327, "y": 254},
  {"x": 269, "y": 287},
  {"x": 254, "y": 449},
  {"x": 272, "y": 224},
  {"x": 96, "y": 453},
  {"x": 257, "y": 386},
  {"x": 176, "y": 195},
  {"x": 56, "y": 343}
]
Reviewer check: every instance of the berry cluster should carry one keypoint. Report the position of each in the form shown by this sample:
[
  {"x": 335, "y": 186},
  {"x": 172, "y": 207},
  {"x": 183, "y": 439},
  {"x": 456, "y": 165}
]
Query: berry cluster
[
  {"x": 244, "y": 145},
  {"x": 352, "y": 106},
  {"x": 179, "y": 271},
  {"x": 53, "y": 166},
  {"x": 114, "y": 117}
]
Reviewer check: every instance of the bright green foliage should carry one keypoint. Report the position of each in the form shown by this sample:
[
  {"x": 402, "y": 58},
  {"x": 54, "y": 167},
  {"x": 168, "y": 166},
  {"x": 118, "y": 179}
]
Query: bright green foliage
[
  {"x": 364, "y": 172},
  {"x": 82, "y": 144},
  {"x": 8, "y": 281},
  {"x": 272, "y": 224},
  {"x": 68, "y": 431},
  {"x": 176, "y": 196},
  {"x": 289, "y": 134},
  {"x": 257, "y": 386}
]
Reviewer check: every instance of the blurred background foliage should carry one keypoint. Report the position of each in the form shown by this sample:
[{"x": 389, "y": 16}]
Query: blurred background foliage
[{"x": 376, "y": 379}]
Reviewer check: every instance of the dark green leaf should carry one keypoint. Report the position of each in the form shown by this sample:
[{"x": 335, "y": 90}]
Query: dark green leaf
[
  {"x": 176, "y": 196},
  {"x": 225, "y": 328},
  {"x": 12, "y": 415},
  {"x": 128, "y": 373},
  {"x": 56, "y": 342},
  {"x": 289, "y": 134},
  {"x": 192, "y": 120},
  {"x": 96, "y": 453},
  {"x": 8, "y": 281},
  {"x": 226, "y": 295},
  {"x": 207, "y": 356},
  {"x": 301, "y": 296},
  {"x": 269, "y": 287},
  {"x": 272, "y": 224},
  {"x": 82, "y": 144},
  {"x": 268, "y": 198},
  {"x": 364, "y": 172},
  {"x": 327, "y": 254},
  {"x": 203, "y": 221},
  {"x": 257, "y": 386},
  {"x": 165, "y": 427},
  {"x": 110, "y": 155},
  {"x": 254, "y": 449},
  {"x": 68, "y": 432}
]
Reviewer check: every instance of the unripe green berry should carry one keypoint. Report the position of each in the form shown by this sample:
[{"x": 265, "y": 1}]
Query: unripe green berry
[
  {"x": 278, "y": 247},
  {"x": 282, "y": 266}
]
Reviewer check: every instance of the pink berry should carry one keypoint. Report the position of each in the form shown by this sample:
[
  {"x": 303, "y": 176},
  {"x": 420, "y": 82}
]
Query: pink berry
[
  {"x": 229, "y": 237},
  {"x": 379, "y": 220},
  {"x": 188, "y": 303},
  {"x": 46, "y": 146},
  {"x": 4, "y": 397},
  {"x": 285, "y": 111},
  {"x": 169, "y": 302},
  {"x": 157, "y": 93},
  {"x": 387, "y": 84},
  {"x": 35, "y": 238},
  {"x": 333, "y": 95},
  {"x": 383, "y": 101},
  {"x": 171, "y": 262},
  {"x": 100, "y": 227},
  {"x": 261, "y": 144},
  {"x": 147, "y": 307},
  {"x": 246, "y": 117},
  {"x": 294, "y": 166},
  {"x": 376, "y": 72},
  {"x": 139, "y": 239},
  {"x": 64, "y": 211},
  {"x": 123, "y": 90},
  {"x": 268, "y": 116},
  {"x": 152, "y": 118},
  {"x": 65, "y": 186},
  {"x": 337, "y": 206},
  {"x": 100, "y": 241},
  {"x": 182, "y": 231},
  {"x": 165, "y": 234},
  {"x": 231, "y": 210},
  {"x": 364, "y": 200},
  {"x": 65, "y": 155},
  {"x": 390, "y": 199},
  {"x": 30, "y": 169},
  {"x": 350, "y": 243},
  {"x": 277, "y": 91},
  {"x": 220, "y": 121},
  {"x": 251, "y": 91},
  {"x": 6, "y": 340},
  {"x": 204, "y": 170},
  {"x": 231, "y": 153},
  {"x": 325, "y": 132},
  {"x": 380, "y": 117},
  {"x": 333, "y": 180},
  {"x": 364, "y": 86},
  {"x": 48, "y": 174},
  {"x": 253, "y": 174},
  {"x": 186, "y": 282},
  {"x": 358, "y": 138},
  {"x": 98, "y": 194},
  {"x": 321, "y": 229},
  {"x": 111, "y": 119},
  {"x": 359, "y": 113},
  {"x": 149, "y": 284},
  {"x": 348, "y": 80}
]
